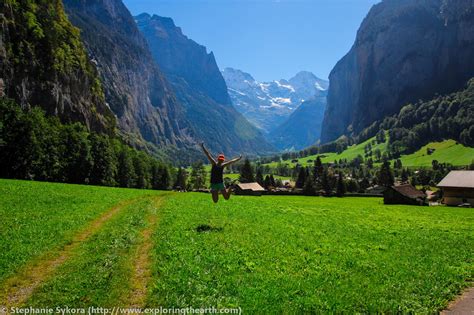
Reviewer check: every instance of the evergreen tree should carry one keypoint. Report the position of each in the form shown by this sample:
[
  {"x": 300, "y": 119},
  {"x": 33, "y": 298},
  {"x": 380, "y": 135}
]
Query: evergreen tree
[
  {"x": 397, "y": 164},
  {"x": 370, "y": 163},
  {"x": 267, "y": 182},
  {"x": 278, "y": 183},
  {"x": 352, "y": 186},
  {"x": 385, "y": 177},
  {"x": 160, "y": 176},
  {"x": 308, "y": 186},
  {"x": 165, "y": 178},
  {"x": 378, "y": 154},
  {"x": 126, "y": 171},
  {"x": 404, "y": 175},
  {"x": 104, "y": 162},
  {"x": 341, "y": 186},
  {"x": 140, "y": 164},
  {"x": 301, "y": 180},
  {"x": 198, "y": 175},
  {"x": 318, "y": 169},
  {"x": 272, "y": 181},
  {"x": 259, "y": 177},
  {"x": 246, "y": 173},
  {"x": 77, "y": 154},
  {"x": 180, "y": 182},
  {"x": 155, "y": 175},
  {"x": 325, "y": 182}
]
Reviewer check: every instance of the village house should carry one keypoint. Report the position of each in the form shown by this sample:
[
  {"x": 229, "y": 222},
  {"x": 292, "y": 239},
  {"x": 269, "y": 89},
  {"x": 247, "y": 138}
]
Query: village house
[
  {"x": 252, "y": 189},
  {"x": 458, "y": 188},
  {"x": 375, "y": 190},
  {"x": 404, "y": 195}
]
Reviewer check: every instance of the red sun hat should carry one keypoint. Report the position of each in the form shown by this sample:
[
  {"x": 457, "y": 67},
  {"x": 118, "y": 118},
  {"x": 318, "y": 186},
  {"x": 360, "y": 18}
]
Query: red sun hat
[{"x": 221, "y": 157}]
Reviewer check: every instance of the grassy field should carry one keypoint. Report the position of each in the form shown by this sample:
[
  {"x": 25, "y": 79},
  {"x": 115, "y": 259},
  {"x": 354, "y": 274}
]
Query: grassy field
[
  {"x": 272, "y": 254},
  {"x": 447, "y": 151},
  {"x": 41, "y": 217}
]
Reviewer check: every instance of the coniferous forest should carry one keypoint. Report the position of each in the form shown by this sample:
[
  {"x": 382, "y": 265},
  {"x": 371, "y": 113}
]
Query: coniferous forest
[{"x": 40, "y": 147}]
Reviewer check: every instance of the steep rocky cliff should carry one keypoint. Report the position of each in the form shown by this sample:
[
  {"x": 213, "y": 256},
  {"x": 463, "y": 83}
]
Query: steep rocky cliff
[
  {"x": 405, "y": 50},
  {"x": 135, "y": 89},
  {"x": 200, "y": 87},
  {"x": 43, "y": 63}
]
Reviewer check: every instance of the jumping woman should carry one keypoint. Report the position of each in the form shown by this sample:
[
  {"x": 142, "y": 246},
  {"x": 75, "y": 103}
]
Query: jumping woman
[{"x": 217, "y": 174}]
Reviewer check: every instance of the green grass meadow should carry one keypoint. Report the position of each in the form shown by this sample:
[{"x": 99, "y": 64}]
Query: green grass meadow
[
  {"x": 270, "y": 254},
  {"x": 39, "y": 217},
  {"x": 447, "y": 151}
]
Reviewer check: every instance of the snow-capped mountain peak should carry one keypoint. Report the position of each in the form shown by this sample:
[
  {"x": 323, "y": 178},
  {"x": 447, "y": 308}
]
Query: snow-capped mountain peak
[{"x": 268, "y": 104}]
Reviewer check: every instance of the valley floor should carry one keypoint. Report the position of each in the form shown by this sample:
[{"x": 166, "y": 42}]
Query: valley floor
[{"x": 82, "y": 245}]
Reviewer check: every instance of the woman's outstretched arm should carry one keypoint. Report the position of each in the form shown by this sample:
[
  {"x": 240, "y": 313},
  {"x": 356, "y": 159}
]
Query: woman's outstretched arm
[
  {"x": 232, "y": 161},
  {"x": 209, "y": 156}
]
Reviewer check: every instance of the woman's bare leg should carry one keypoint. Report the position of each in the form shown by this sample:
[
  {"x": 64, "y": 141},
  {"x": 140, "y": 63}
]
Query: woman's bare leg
[
  {"x": 215, "y": 196},
  {"x": 226, "y": 193}
]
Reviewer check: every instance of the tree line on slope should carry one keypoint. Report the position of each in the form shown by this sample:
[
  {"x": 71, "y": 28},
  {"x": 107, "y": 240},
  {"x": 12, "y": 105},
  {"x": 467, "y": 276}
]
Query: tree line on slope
[
  {"x": 39, "y": 147},
  {"x": 444, "y": 117}
]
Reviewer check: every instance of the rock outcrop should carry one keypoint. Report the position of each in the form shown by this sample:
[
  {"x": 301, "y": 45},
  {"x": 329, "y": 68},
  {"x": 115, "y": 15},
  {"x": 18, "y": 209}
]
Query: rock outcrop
[
  {"x": 135, "y": 89},
  {"x": 405, "y": 50},
  {"x": 200, "y": 87},
  {"x": 43, "y": 63}
]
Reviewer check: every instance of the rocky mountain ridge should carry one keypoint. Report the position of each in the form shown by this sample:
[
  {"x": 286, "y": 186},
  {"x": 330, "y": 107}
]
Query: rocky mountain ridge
[
  {"x": 405, "y": 50},
  {"x": 200, "y": 87},
  {"x": 142, "y": 100},
  {"x": 269, "y": 104}
]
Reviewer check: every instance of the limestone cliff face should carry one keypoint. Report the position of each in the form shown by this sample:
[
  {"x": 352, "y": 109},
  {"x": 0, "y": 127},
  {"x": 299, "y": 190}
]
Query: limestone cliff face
[
  {"x": 178, "y": 55},
  {"x": 405, "y": 50},
  {"x": 43, "y": 63},
  {"x": 200, "y": 88},
  {"x": 135, "y": 89}
]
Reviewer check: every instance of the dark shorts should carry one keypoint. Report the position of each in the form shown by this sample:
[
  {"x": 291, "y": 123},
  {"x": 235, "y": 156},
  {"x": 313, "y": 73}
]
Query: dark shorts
[{"x": 217, "y": 186}]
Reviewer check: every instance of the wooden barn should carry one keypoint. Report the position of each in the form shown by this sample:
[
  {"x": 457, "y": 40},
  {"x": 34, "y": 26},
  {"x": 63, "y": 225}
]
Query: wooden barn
[
  {"x": 252, "y": 189},
  {"x": 404, "y": 195},
  {"x": 458, "y": 188}
]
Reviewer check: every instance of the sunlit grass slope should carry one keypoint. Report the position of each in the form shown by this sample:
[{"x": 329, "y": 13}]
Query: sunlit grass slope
[{"x": 288, "y": 254}]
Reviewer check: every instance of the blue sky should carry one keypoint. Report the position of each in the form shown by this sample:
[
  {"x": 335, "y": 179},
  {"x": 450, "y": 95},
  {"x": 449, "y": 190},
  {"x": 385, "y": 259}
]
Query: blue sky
[{"x": 270, "y": 39}]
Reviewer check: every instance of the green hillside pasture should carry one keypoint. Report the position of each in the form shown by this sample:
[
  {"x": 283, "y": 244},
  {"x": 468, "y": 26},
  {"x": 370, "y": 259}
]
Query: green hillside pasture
[
  {"x": 277, "y": 254},
  {"x": 40, "y": 217},
  {"x": 446, "y": 151},
  {"x": 350, "y": 153}
]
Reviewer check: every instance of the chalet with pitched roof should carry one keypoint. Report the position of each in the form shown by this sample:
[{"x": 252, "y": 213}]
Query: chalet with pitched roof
[
  {"x": 253, "y": 189},
  {"x": 404, "y": 195},
  {"x": 458, "y": 188}
]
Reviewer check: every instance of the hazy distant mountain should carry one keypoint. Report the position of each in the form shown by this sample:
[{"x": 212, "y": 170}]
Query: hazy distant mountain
[
  {"x": 302, "y": 128},
  {"x": 269, "y": 104},
  {"x": 200, "y": 88}
]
